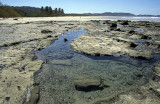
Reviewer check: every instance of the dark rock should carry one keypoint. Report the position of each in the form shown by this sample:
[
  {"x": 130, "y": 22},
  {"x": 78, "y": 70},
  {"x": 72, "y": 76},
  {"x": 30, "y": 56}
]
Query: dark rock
[
  {"x": 46, "y": 60},
  {"x": 19, "y": 88},
  {"x": 106, "y": 21},
  {"x": 97, "y": 54},
  {"x": 46, "y": 31},
  {"x": 155, "y": 91},
  {"x": 49, "y": 36},
  {"x": 36, "y": 82},
  {"x": 145, "y": 58},
  {"x": 15, "y": 19},
  {"x": 118, "y": 29},
  {"x": 112, "y": 26},
  {"x": 124, "y": 23},
  {"x": 131, "y": 31},
  {"x": 7, "y": 99},
  {"x": 22, "y": 68},
  {"x": 133, "y": 45},
  {"x": 65, "y": 40},
  {"x": 145, "y": 37}
]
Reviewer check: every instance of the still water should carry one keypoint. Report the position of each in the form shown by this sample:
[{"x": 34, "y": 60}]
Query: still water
[{"x": 63, "y": 65}]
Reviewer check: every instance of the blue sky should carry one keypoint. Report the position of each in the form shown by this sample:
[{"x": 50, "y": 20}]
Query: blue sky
[{"x": 94, "y": 6}]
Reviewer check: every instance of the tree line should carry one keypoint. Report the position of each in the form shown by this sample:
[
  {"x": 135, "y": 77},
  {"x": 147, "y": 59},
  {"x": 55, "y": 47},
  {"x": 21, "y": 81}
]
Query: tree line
[{"x": 48, "y": 11}]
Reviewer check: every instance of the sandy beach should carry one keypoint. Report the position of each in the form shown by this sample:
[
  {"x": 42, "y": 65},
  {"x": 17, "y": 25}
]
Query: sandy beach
[
  {"x": 21, "y": 37},
  {"x": 34, "y": 19}
]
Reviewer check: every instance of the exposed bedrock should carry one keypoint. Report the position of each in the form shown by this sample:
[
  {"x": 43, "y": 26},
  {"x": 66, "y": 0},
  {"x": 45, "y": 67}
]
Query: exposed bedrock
[{"x": 103, "y": 45}]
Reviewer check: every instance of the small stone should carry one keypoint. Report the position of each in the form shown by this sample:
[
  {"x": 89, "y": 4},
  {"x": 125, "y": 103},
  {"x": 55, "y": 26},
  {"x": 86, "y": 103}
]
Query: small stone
[
  {"x": 19, "y": 88},
  {"x": 46, "y": 31},
  {"x": 65, "y": 40},
  {"x": 7, "y": 99},
  {"x": 15, "y": 19}
]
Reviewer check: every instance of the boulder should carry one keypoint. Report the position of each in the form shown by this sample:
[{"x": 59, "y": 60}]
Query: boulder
[{"x": 88, "y": 83}]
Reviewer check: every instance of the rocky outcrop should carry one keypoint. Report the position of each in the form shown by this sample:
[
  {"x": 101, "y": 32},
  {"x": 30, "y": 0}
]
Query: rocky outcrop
[
  {"x": 88, "y": 83},
  {"x": 17, "y": 62},
  {"x": 108, "y": 46}
]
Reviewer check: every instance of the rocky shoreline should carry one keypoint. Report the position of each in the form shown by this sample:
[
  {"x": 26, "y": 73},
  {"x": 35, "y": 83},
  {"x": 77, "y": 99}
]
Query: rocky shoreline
[
  {"x": 119, "y": 39},
  {"x": 139, "y": 39},
  {"x": 17, "y": 61}
]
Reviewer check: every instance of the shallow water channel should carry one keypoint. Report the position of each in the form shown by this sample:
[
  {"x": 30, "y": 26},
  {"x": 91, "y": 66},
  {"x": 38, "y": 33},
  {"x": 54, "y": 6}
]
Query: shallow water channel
[{"x": 63, "y": 65}]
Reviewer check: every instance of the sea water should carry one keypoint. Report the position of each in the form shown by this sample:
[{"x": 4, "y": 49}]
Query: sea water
[{"x": 124, "y": 18}]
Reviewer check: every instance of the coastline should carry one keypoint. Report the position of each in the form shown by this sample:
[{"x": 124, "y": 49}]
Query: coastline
[
  {"x": 65, "y": 18},
  {"x": 18, "y": 63}
]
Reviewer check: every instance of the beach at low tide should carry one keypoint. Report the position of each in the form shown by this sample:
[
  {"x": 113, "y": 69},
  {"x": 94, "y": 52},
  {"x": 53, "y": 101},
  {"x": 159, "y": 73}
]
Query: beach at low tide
[{"x": 21, "y": 37}]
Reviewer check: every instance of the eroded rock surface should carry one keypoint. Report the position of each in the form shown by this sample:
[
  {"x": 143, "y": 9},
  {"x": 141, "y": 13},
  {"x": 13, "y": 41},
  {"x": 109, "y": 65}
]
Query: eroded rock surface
[
  {"x": 17, "y": 61},
  {"x": 134, "y": 41}
]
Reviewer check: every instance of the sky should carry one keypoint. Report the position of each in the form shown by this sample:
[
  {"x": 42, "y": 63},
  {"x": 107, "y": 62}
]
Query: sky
[{"x": 94, "y": 6}]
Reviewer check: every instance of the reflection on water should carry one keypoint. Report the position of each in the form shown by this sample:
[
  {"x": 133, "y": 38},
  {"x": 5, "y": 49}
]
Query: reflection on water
[{"x": 57, "y": 76}]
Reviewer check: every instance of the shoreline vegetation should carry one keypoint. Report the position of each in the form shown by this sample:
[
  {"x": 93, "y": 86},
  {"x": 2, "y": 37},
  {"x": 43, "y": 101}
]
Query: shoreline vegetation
[{"x": 8, "y": 11}]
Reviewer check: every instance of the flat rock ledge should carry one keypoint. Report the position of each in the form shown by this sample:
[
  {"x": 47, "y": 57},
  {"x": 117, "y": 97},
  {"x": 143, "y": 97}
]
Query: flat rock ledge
[
  {"x": 88, "y": 83},
  {"x": 105, "y": 45}
]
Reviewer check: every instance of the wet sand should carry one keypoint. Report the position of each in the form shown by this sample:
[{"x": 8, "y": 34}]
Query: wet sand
[{"x": 20, "y": 37}]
